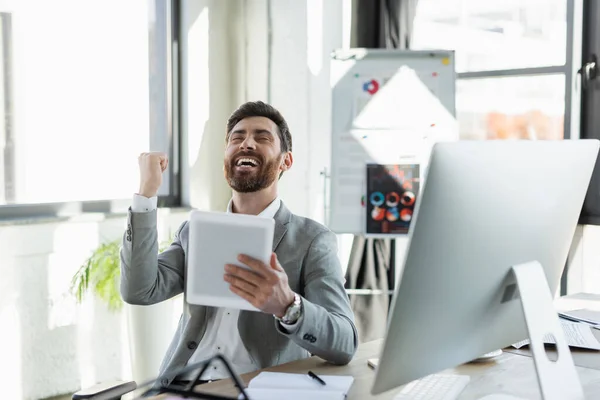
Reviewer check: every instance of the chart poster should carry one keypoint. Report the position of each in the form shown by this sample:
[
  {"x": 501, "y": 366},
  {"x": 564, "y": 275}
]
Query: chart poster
[
  {"x": 399, "y": 100},
  {"x": 390, "y": 197}
]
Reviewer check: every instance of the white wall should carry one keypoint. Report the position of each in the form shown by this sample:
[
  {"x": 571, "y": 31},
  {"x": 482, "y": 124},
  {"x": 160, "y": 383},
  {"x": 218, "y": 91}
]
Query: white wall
[{"x": 209, "y": 70}]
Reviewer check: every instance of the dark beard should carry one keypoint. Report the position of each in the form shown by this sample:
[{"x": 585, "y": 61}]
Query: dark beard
[{"x": 248, "y": 182}]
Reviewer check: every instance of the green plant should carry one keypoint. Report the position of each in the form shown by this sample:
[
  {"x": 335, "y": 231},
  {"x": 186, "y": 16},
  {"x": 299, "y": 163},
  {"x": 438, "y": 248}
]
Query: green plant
[{"x": 101, "y": 273}]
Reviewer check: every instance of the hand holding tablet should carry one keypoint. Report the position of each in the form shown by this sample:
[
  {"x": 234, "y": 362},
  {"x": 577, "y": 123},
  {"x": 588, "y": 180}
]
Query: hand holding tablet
[{"x": 265, "y": 286}]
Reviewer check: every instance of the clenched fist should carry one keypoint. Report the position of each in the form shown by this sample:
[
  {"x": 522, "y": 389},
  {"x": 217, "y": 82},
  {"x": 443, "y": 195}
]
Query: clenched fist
[{"x": 152, "y": 165}]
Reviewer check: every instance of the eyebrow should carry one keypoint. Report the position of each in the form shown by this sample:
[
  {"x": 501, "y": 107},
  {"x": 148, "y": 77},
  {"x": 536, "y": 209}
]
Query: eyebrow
[{"x": 256, "y": 131}]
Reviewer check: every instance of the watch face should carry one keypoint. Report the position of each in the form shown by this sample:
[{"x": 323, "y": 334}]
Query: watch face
[
  {"x": 293, "y": 312},
  {"x": 292, "y": 318}
]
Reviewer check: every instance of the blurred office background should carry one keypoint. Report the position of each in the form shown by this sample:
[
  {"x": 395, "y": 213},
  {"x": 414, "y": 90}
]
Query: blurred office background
[{"x": 88, "y": 85}]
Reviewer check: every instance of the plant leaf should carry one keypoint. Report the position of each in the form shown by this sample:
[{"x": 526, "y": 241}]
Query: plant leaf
[{"x": 101, "y": 274}]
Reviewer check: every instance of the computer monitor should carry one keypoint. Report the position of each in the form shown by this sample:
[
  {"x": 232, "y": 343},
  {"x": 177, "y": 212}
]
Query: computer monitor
[{"x": 486, "y": 206}]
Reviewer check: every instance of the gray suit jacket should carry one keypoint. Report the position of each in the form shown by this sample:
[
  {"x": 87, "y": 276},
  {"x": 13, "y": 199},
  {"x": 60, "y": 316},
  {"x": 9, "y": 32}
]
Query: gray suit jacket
[{"x": 308, "y": 253}]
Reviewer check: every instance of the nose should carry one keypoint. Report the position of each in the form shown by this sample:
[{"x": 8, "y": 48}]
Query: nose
[{"x": 248, "y": 143}]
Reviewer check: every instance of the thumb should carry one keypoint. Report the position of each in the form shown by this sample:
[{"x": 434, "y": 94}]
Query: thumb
[
  {"x": 275, "y": 263},
  {"x": 164, "y": 162}
]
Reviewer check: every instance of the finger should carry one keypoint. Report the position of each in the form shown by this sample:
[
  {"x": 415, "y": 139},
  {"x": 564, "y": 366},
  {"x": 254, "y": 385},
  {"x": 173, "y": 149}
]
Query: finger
[
  {"x": 241, "y": 283},
  {"x": 160, "y": 154},
  {"x": 256, "y": 265},
  {"x": 243, "y": 294},
  {"x": 243, "y": 273},
  {"x": 275, "y": 263}
]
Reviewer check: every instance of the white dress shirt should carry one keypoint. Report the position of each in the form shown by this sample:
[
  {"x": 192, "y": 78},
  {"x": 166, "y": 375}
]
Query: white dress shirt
[{"x": 222, "y": 335}]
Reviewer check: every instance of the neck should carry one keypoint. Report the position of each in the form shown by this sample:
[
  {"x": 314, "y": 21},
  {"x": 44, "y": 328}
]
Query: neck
[{"x": 253, "y": 203}]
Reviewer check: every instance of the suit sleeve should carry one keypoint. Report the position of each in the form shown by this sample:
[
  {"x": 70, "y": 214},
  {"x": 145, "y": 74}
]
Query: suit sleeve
[
  {"x": 146, "y": 276},
  {"x": 327, "y": 326}
]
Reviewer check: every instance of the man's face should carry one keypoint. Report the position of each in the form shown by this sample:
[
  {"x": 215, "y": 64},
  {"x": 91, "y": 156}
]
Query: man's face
[{"x": 253, "y": 158}]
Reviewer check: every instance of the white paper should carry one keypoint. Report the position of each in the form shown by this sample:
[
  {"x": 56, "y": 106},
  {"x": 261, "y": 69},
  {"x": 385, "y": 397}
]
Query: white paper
[
  {"x": 576, "y": 334},
  {"x": 279, "y": 380},
  {"x": 279, "y": 394},
  {"x": 399, "y": 100}
]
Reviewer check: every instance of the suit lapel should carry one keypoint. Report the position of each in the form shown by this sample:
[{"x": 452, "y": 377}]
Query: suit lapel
[
  {"x": 282, "y": 218},
  {"x": 256, "y": 346}
]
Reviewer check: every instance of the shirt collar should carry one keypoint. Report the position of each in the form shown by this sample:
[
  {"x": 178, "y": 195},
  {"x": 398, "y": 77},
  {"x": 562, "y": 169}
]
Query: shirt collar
[{"x": 268, "y": 212}]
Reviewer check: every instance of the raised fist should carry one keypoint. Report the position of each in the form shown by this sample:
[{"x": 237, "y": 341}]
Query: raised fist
[{"x": 152, "y": 165}]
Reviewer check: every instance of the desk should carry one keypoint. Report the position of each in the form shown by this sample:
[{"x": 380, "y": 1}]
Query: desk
[{"x": 511, "y": 373}]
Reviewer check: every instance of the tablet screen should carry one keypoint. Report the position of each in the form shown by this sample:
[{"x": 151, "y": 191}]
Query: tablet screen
[{"x": 217, "y": 239}]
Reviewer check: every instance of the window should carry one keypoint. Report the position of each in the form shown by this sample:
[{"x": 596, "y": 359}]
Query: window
[
  {"x": 75, "y": 98},
  {"x": 522, "y": 107},
  {"x": 494, "y": 34},
  {"x": 590, "y": 118},
  {"x": 513, "y": 62}
]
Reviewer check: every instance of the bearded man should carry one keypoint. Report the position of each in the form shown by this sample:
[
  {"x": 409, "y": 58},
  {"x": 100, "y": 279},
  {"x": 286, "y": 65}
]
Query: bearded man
[{"x": 304, "y": 308}]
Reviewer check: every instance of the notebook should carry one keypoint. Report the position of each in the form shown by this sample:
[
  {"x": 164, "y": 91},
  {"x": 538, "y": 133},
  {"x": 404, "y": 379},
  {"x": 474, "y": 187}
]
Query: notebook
[{"x": 278, "y": 385}]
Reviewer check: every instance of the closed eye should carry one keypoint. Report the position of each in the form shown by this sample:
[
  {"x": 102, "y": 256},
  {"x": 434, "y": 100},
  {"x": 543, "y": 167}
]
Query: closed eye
[{"x": 264, "y": 136}]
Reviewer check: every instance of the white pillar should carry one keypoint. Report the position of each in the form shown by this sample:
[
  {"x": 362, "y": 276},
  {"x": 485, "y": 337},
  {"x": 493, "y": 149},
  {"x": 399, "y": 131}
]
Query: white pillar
[{"x": 207, "y": 94}]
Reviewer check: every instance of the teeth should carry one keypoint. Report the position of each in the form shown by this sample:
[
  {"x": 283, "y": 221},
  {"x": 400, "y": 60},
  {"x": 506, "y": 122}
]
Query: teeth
[{"x": 247, "y": 160}]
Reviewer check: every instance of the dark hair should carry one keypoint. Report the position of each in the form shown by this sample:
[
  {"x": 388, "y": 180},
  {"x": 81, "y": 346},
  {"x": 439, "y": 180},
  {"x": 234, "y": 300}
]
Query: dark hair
[{"x": 260, "y": 109}]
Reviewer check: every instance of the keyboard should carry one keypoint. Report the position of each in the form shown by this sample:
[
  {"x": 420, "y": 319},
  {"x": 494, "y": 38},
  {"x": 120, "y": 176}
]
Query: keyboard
[{"x": 434, "y": 387}]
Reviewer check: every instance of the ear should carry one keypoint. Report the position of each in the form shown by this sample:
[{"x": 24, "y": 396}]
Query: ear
[{"x": 287, "y": 161}]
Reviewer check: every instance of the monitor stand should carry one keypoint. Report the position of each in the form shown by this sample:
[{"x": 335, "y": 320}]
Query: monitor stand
[{"x": 557, "y": 380}]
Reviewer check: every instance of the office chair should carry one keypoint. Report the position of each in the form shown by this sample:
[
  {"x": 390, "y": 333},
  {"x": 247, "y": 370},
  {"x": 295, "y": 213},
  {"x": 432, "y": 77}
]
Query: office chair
[{"x": 114, "y": 390}]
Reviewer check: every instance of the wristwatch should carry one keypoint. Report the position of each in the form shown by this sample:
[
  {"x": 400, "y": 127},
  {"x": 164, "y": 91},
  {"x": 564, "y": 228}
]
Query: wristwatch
[{"x": 293, "y": 312}]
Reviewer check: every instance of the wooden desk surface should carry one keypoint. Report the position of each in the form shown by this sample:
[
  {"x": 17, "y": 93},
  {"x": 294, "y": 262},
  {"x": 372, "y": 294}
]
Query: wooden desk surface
[{"x": 511, "y": 373}]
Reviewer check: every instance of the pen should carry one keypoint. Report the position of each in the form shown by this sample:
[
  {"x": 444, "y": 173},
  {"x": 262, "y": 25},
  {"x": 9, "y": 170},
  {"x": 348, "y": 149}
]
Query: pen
[
  {"x": 316, "y": 378},
  {"x": 567, "y": 317}
]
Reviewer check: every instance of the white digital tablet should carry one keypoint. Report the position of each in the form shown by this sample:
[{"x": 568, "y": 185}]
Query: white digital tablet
[{"x": 216, "y": 239}]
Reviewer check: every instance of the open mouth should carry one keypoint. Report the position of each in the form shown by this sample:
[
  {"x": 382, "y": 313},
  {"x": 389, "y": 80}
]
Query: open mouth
[{"x": 246, "y": 163}]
